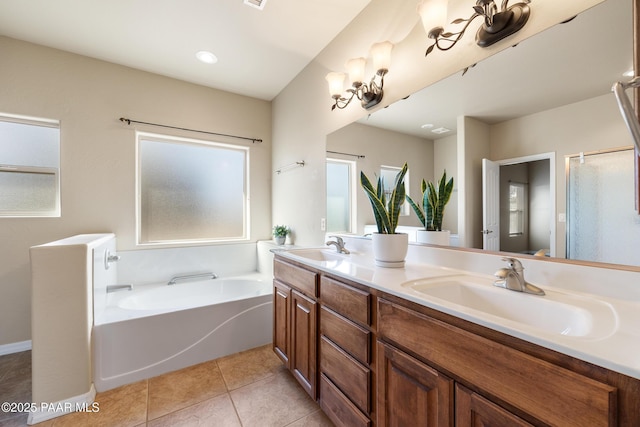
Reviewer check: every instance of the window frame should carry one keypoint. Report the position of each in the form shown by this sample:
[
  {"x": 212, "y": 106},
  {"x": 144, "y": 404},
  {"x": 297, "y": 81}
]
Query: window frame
[
  {"x": 520, "y": 210},
  {"x": 353, "y": 199},
  {"x": 56, "y": 212},
  {"x": 165, "y": 138}
]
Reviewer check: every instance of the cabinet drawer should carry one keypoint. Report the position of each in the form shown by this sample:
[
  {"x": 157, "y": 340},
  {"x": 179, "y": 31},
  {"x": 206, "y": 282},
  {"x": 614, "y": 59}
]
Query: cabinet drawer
[
  {"x": 352, "y": 378},
  {"x": 354, "y": 339},
  {"x": 338, "y": 408},
  {"x": 301, "y": 279},
  {"x": 346, "y": 300},
  {"x": 550, "y": 393}
]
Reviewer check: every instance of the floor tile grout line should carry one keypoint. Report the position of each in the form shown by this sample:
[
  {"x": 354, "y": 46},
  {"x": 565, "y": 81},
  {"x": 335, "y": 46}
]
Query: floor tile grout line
[
  {"x": 146, "y": 415},
  {"x": 226, "y": 386}
]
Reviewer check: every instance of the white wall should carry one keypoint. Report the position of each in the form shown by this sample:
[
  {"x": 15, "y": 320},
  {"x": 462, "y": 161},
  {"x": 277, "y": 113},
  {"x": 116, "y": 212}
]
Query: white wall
[
  {"x": 302, "y": 114},
  {"x": 445, "y": 154},
  {"x": 98, "y": 152},
  {"x": 473, "y": 146}
]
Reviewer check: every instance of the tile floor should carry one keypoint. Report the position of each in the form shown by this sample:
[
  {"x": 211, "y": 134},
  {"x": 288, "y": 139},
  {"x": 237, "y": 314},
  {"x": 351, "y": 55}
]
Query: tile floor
[{"x": 247, "y": 389}]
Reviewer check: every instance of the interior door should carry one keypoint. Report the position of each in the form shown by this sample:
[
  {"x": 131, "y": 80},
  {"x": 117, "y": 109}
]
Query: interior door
[{"x": 490, "y": 205}]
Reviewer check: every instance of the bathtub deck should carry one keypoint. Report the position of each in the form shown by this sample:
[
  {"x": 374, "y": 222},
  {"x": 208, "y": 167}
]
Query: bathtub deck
[{"x": 244, "y": 389}]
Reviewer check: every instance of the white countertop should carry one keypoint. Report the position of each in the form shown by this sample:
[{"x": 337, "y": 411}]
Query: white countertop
[{"x": 618, "y": 349}]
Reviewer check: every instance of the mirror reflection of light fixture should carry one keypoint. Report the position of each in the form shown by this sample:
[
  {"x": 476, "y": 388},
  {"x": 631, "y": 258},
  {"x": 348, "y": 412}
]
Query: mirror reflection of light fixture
[
  {"x": 369, "y": 94},
  {"x": 497, "y": 25}
]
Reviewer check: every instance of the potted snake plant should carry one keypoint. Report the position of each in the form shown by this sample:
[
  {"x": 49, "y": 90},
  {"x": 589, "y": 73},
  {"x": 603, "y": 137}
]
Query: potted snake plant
[
  {"x": 389, "y": 248},
  {"x": 431, "y": 212}
]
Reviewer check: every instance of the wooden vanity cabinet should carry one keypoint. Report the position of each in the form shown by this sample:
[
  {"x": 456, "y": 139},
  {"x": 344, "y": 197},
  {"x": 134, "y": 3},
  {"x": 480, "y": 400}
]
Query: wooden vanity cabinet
[
  {"x": 282, "y": 321},
  {"x": 346, "y": 353},
  {"x": 528, "y": 389},
  {"x": 370, "y": 358},
  {"x": 295, "y": 322},
  {"x": 474, "y": 410},
  {"x": 411, "y": 393}
]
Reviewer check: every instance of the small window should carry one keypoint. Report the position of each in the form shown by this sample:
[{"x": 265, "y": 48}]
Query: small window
[
  {"x": 29, "y": 167},
  {"x": 191, "y": 190},
  {"x": 388, "y": 174},
  {"x": 340, "y": 195},
  {"x": 517, "y": 202}
]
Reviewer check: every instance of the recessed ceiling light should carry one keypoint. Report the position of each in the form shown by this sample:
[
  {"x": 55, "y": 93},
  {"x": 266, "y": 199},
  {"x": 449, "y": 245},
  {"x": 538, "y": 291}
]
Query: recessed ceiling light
[
  {"x": 440, "y": 130},
  {"x": 629, "y": 73},
  {"x": 258, "y": 4},
  {"x": 207, "y": 57},
  {"x": 426, "y": 126}
]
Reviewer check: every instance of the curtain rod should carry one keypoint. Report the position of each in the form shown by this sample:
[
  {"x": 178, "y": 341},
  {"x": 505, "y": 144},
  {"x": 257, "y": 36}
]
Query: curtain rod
[
  {"x": 129, "y": 121},
  {"x": 360, "y": 156}
]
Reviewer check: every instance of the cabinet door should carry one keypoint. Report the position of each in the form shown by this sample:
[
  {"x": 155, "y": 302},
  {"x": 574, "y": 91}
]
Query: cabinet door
[
  {"x": 411, "y": 393},
  {"x": 281, "y": 321},
  {"x": 473, "y": 410},
  {"x": 303, "y": 341}
]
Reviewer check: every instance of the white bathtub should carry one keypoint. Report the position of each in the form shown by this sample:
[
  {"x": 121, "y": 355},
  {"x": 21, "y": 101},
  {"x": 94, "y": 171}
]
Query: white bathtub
[{"x": 160, "y": 328}]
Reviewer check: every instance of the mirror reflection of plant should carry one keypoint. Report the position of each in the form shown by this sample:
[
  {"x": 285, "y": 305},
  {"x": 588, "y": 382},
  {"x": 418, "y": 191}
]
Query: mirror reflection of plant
[
  {"x": 281, "y": 230},
  {"x": 434, "y": 200},
  {"x": 386, "y": 213}
]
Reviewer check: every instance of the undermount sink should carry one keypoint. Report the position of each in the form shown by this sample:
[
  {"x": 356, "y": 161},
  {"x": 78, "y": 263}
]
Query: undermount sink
[
  {"x": 556, "y": 312},
  {"x": 319, "y": 254}
]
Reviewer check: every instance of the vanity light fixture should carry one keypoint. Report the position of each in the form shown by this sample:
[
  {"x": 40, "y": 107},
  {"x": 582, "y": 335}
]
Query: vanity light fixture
[
  {"x": 497, "y": 25},
  {"x": 369, "y": 94}
]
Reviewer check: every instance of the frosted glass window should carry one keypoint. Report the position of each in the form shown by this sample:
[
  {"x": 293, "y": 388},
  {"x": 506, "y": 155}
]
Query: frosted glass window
[
  {"x": 29, "y": 167},
  {"x": 603, "y": 225},
  {"x": 191, "y": 190},
  {"x": 340, "y": 190}
]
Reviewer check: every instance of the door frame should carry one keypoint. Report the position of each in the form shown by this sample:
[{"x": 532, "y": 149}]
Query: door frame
[{"x": 551, "y": 156}]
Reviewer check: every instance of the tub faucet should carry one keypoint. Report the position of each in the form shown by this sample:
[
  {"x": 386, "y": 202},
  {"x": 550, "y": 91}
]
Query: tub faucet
[
  {"x": 512, "y": 278},
  {"x": 339, "y": 244}
]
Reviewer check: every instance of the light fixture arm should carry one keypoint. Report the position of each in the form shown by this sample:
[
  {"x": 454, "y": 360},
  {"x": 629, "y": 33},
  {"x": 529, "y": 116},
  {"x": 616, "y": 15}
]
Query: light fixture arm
[
  {"x": 498, "y": 24},
  {"x": 369, "y": 95}
]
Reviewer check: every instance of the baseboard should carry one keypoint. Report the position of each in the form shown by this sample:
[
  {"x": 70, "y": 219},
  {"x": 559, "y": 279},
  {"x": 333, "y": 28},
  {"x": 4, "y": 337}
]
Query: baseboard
[
  {"x": 46, "y": 411},
  {"x": 15, "y": 347}
]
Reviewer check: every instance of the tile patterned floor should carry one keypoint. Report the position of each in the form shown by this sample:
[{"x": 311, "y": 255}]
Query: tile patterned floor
[{"x": 247, "y": 389}]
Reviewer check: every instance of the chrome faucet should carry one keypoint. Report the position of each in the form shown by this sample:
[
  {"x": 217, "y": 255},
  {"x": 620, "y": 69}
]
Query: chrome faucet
[
  {"x": 339, "y": 244},
  {"x": 512, "y": 278}
]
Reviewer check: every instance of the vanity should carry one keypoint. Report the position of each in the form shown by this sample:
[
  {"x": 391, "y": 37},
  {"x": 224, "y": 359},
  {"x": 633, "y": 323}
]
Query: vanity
[{"x": 425, "y": 345}]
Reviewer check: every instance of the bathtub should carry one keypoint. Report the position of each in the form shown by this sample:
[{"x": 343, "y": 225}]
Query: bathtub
[{"x": 158, "y": 328}]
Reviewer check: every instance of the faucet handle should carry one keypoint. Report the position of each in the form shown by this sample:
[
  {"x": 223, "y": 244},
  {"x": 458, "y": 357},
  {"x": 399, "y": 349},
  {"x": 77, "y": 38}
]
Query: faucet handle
[
  {"x": 513, "y": 263},
  {"x": 338, "y": 239}
]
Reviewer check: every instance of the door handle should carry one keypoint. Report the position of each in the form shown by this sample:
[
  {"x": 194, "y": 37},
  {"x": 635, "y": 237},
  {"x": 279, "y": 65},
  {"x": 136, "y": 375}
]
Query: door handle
[{"x": 486, "y": 231}]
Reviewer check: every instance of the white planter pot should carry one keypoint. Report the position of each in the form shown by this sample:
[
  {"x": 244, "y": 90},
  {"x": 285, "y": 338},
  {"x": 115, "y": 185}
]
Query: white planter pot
[
  {"x": 390, "y": 250},
  {"x": 442, "y": 238},
  {"x": 279, "y": 239}
]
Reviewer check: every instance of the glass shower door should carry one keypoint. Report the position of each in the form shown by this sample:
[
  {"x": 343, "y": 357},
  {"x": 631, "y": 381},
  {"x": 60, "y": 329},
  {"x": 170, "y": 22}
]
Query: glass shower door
[{"x": 602, "y": 224}]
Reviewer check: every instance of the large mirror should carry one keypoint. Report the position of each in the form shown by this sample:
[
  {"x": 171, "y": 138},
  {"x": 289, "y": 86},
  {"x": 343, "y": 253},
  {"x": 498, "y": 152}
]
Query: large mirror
[{"x": 533, "y": 111}]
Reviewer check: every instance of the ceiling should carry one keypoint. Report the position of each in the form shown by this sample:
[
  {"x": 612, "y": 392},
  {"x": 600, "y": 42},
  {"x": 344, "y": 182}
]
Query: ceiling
[
  {"x": 259, "y": 51},
  {"x": 567, "y": 63}
]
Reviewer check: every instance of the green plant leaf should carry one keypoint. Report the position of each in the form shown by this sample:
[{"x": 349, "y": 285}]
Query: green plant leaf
[
  {"x": 386, "y": 216},
  {"x": 379, "y": 210},
  {"x": 419, "y": 212}
]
